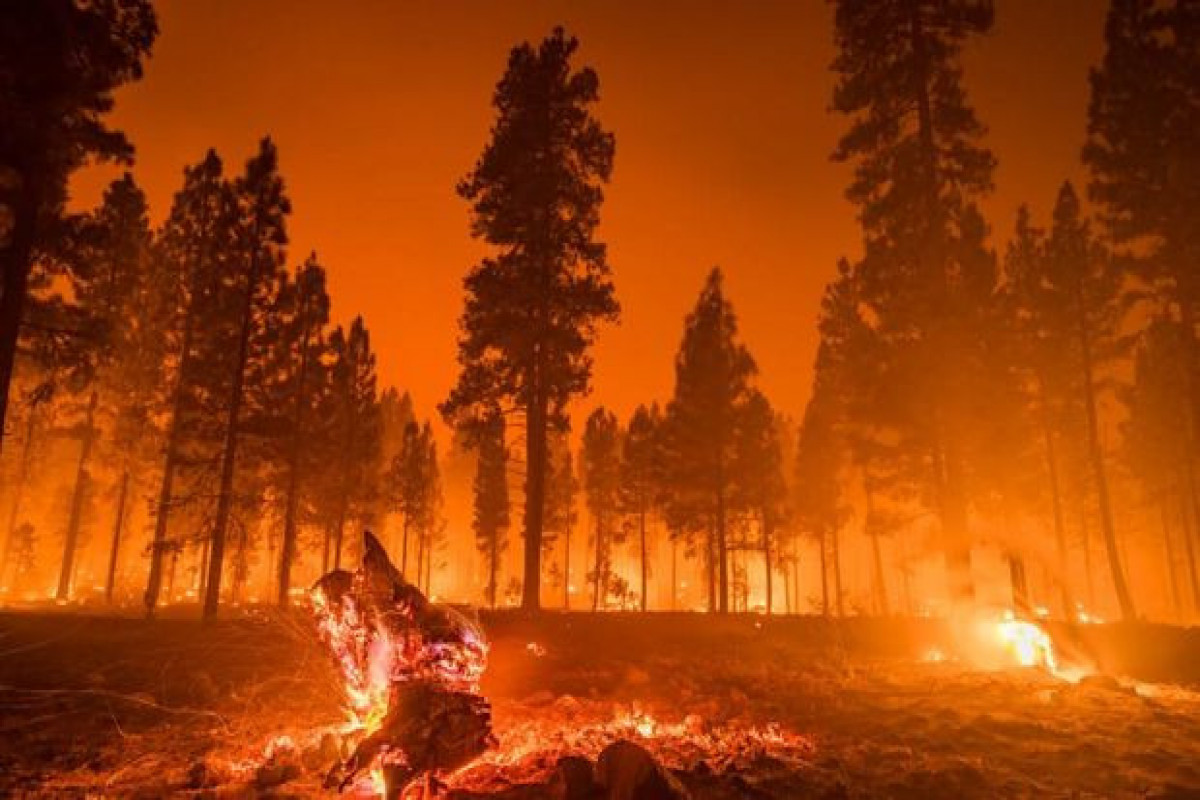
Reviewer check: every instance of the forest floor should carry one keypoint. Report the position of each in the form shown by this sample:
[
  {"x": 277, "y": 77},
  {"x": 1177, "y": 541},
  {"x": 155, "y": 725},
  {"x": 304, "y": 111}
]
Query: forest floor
[{"x": 737, "y": 707}]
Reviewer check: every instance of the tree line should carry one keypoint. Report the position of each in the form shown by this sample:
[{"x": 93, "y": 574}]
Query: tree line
[{"x": 1037, "y": 398}]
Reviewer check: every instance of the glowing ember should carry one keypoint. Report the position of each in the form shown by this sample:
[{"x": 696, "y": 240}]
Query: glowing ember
[
  {"x": 536, "y": 650},
  {"x": 1026, "y": 641}
]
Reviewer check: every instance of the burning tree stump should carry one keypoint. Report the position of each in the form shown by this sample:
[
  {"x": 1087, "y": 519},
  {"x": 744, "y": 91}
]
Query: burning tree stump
[{"x": 411, "y": 671}]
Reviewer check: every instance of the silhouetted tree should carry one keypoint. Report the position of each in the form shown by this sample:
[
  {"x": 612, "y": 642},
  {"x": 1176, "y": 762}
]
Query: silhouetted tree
[
  {"x": 533, "y": 307},
  {"x": 562, "y": 487},
  {"x": 918, "y": 166},
  {"x": 601, "y": 467},
  {"x": 713, "y": 373},
  {"x": 763, "y": 490},
  {"x": 194, "y": 246},
  {"x": 300, "y": 389},
  {"x": 490, "y": 522},
  {"x": 641, "y": 481},
  {"x": 1145, "y": 167},
  {"x": 261, "y": 237},
  {"x": 357, "y": 430},
  {"x": 60, "y": 62}
]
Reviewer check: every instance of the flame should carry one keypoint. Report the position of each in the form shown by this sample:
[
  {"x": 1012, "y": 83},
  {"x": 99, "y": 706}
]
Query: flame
[{"x": 1026, "y": 641}]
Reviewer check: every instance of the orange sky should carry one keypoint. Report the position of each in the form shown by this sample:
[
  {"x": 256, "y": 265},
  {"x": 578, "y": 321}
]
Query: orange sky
[{"x": 723, "y": 137}]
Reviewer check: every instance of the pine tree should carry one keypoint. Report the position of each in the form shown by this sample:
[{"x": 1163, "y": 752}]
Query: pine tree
[
  {"x": 357, "y": 425},
  {"x": 713, "y": 373},
  {"x": 533, "y": 307},
  {"x": 562, "y": 487},
  {"x": 1085, "y": 291},
  {"x": 1153, "y": 449},
  {"x": 1145, "y": 168},
  {"x": 193, "y": 247},
  {"x": 60, "y": 62},
  {"x": 641, "y": 479},
  {"x": 601, "y": 467},
  {"x": 490, "y": 522},
  {"x": 299, "y": 363},
  {"x": 764, "y": 489},
  {"x": 918, "y": 167}
]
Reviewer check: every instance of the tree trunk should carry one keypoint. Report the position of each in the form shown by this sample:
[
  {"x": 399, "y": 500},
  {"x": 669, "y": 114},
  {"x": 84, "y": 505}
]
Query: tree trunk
[
  {"x": 404, "y": 548},
  {"x": 881, "y": 595},
  {"x": 212, "y": 594},
  {"x": 674, "y": 574},
  {"x": 338, "y": 532},
  {"x": 722, "y": 549},
  {"x": 287, "y": 548},
  {"x": 567, "y": 564},
  {"x": 1097, "y": 458},
  {"x": 1189, "y": 546},
  {"x": 114, "y": 551},
  {"x": 19, "y": 489},
  {"x": 768, "y": 564},
  {"x": 596, "y": 571},
  {"x": 493, "y": 567},
  {"x": 82, "y": 479},
  {"x": 642, "y": 533},
  {"x": 535, "y": 494},
  {"x": 1169, "y": 552},
  {"x": 824, "y": 576},
  {"x": 170, "y": 459},
  {"x": 1060, "y": 535},
  {"x": 710, "y": 566},
  {"x": 16, "y": 265},
  {"x": 1087, "y": 554},
  {"x": 837, "y": 572},
  {"x": 1189, "y": 520}
]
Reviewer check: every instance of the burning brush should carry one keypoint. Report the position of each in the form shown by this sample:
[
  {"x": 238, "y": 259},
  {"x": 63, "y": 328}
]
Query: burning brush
[{"x": 411, "y": 670}]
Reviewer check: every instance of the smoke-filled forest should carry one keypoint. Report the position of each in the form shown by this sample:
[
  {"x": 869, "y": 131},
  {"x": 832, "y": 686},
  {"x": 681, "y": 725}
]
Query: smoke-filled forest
[{"x": 960, "y": 562}]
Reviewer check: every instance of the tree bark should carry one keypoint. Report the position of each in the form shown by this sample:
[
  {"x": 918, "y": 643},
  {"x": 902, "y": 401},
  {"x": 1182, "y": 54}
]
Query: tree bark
[
  {"x": 837, "y": 573},
  {"x": 1169, "y": 552},
  {"x": 1060, "y": 535},
  {"x": 14, "y": 513},
  {"x": 75, "y": 519},
  {"x": 535, "y": 492},
  {"x": 824, "y": 576},
  {"x": 767, "y": 563},
  {"x": 287, "y": 548},
  {"x": 642, "y": 534},
  {"x": 114, "y": 551},
  {"x": 212, "y": 594},
  {"x": 1097, "y": 458},
  {"x": 16, "y": 266}
]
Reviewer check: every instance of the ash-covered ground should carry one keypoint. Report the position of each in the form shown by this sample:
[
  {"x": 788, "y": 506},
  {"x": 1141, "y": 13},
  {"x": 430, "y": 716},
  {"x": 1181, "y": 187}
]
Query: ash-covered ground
[{"x": 737, "y": 707}]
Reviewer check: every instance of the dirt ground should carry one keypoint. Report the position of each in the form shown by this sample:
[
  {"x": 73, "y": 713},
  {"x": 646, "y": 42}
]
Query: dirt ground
[{"x": 738, "y": 707}]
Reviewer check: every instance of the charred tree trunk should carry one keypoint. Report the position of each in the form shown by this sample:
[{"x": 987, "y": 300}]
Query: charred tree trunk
[
  {"x": 19, "y": 487},
  {"x": 1188, "y": 518},
  {"x": 835, "y": 554},
  {"x": 767, "y": 532},
  {"x": 82, "y": 478},
  {"x": 115, "y": 549},
  {"x": 16, "y": 265},
  {"x": 287, "y": 548},
  {"x": 674, "y": 574},
  {"x": 1097, "y": 460},
  {"x": 824, "y": 576},
  {"x": 1060, "y": 535},
  {"x": 722, "y": 544},
  {"x": 404, "y": 547},
  {"x": 535, "y": 489},
  {"x": 567, "y": 564},
  {"x": 1089, "y": 573},
  {"x": 598, "y": 574},
  {"x": 170, "y": 460},
  {"x": 645, "y": 569},
  {"x": 1189, "y": 531},
  {"x": 881, "y": 595},
  {"x": 1169, "y": 553},
  {"x": 212, "y": 594},
  {"x": 493, "y": 567}
]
